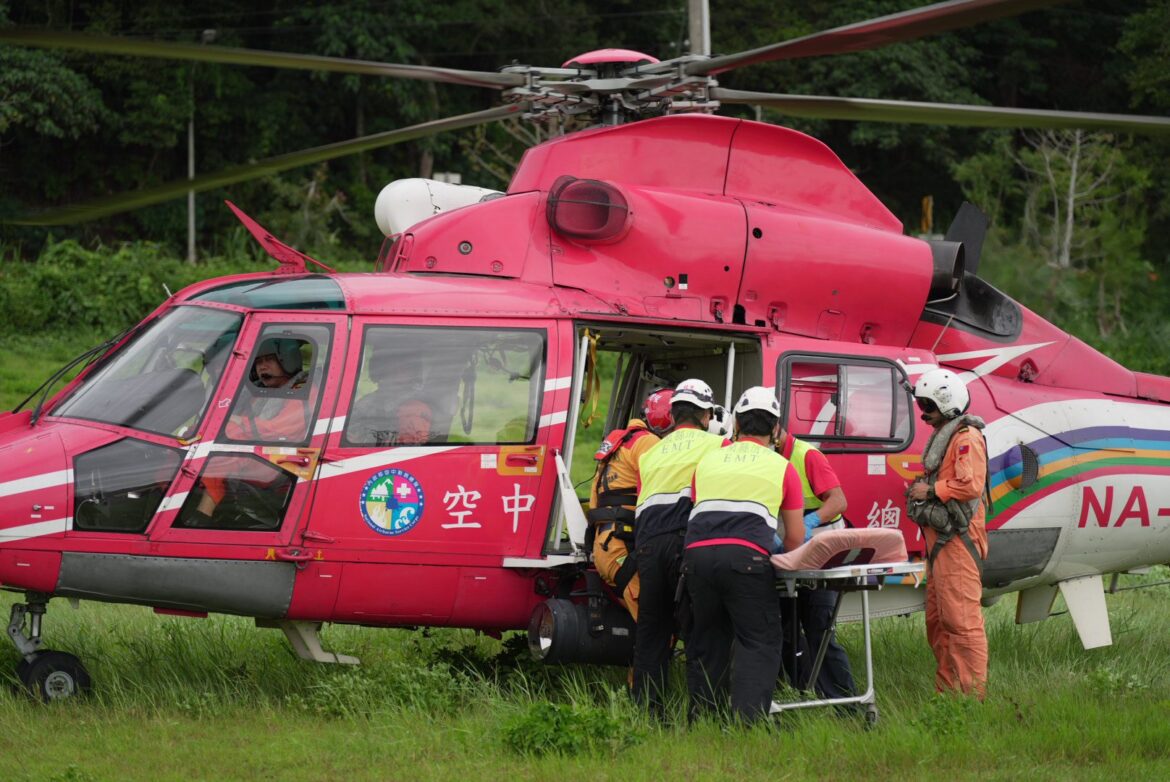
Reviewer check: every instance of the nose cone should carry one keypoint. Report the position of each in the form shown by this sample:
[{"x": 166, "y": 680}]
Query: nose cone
[{"x": 35, "y": 481}]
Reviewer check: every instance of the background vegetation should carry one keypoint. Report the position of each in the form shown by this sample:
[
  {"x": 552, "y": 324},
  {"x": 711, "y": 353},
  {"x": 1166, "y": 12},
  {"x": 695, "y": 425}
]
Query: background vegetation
[{"x": 1077, "y": 217}]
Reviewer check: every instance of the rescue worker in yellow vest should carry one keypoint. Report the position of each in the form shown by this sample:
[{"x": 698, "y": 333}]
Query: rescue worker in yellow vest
[
  {"x": 745, "y": 494},
  {"x": 824, "y": 502},
  {"x": 614, "y": 495},
  {"x": 664, "y": 503},
  {"x": 955, "y": 460}
]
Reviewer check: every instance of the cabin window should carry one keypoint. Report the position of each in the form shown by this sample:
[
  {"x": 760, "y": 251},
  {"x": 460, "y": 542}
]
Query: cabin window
[
  {"x": 162, "y": 380},
  {"x": 237, "y": 492},
  {"x": 845, "y": 403},
  {"x": 420, "y": 386},
  {"x": 281, "y": 389},
  {"x": 118, "y": 487}
]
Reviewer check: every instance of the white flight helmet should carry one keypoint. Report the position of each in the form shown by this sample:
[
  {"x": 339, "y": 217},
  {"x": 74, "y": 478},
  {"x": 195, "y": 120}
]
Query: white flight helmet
[
  {"x": 758, "y": 398},
  {"x": 945, "y": 389},
  {"x": 694, "y": 391}
]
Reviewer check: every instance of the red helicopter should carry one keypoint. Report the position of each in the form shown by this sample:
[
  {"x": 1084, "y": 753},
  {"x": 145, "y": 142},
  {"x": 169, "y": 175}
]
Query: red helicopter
[{"x": 390, "y": 449}]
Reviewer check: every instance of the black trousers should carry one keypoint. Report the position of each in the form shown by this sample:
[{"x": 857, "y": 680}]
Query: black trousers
[
  {"x": 659, "y": 566},
  {"x": 734, "y": 647},
  {"x": 813, "y": 617}
]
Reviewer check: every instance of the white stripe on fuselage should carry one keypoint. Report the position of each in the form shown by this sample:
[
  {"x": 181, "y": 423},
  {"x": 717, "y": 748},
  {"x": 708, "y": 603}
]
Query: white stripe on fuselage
[
  {"x": 45, "y": 480},
  {"x": 378, "y": 459},
  {"x": 553, "y": 418},
  {"x": 172, "y": 502},
  {"x": 996, "y": 358},
  {"x": 26, "y": 531}
]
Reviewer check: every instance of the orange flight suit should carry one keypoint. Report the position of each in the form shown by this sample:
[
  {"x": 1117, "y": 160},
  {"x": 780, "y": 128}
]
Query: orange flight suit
[
  {"x": 610, "y": 552},
  {"x": 954, "y": 618},
  {"x": 287, "y": 423}
]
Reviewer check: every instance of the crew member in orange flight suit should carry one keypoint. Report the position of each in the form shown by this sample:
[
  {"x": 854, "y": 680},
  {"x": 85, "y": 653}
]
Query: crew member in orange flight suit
[
  {"x": 615, "y": 493},
  {"x": 955, "y": 461},
  {"x": 278, "y": 365}
]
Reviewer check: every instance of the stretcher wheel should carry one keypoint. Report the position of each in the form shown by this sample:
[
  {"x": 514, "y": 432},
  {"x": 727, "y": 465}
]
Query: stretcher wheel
[{"x": 871, "y": 715}]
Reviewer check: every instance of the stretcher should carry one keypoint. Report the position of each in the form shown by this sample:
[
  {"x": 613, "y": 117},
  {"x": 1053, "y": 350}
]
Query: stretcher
[{"x": 854, "y": 560}]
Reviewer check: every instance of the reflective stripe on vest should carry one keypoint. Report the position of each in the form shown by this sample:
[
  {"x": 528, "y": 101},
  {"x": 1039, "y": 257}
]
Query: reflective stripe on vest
[
  {"x": 666, "y": 471},
  {"x": 738, "y": 493},
  {"x": 666, "y": 498}
]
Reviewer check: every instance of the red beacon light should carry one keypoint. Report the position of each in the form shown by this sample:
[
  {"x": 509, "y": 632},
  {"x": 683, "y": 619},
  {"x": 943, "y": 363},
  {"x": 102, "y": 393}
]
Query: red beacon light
[{"x": 588, "y": 210}]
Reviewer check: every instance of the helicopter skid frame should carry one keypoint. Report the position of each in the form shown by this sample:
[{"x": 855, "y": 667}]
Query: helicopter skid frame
[{"x": 305, "y": 641}]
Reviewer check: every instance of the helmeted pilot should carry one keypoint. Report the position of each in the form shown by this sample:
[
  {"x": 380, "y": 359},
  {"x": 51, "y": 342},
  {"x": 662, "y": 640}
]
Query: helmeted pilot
[{"x": 278, "y": 363}]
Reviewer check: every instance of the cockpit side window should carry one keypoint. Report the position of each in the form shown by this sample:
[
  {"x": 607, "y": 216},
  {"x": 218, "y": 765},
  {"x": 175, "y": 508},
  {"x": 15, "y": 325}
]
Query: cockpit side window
[
  {"x": 279, "y": 394},
  {"x": 162, "y": 380},
  {"x": 425, "y": 386},
  {"x": 237, "y": 492}
]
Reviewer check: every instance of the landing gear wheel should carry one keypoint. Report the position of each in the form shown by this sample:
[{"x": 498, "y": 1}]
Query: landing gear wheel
[
  {"x": 53, "y": 676},
  {"x": 871, "y": 716}
]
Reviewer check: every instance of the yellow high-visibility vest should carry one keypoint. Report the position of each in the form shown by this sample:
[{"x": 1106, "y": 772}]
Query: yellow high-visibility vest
[
  {"x": 738, "y": 494},
  {"x": 664, "y": 500},
  {"x": 800, "y": 450}
]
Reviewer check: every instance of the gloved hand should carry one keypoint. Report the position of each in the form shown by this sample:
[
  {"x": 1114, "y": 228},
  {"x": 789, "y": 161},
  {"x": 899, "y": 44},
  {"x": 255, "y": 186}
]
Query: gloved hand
[
  {"x": 811, "y": 522},
  {"x": 777, "y": 544}
]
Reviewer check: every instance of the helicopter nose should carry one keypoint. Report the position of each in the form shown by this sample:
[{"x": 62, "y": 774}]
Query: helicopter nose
[{"x": 35, "y": 479}]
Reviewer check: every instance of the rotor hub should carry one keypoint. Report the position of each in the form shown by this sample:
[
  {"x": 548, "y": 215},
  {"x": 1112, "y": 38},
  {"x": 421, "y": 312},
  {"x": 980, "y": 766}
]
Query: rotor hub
[{"x": 617, "y": 85}]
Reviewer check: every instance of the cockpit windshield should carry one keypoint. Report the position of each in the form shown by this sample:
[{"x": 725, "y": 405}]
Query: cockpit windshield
[{"x": 162, "y": 380}]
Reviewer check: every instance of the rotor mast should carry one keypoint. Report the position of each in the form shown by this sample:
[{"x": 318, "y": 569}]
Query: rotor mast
[{"x": 699, "y": 24}]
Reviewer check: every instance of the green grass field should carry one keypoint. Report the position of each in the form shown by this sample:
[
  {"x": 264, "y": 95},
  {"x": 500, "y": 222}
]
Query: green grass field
[
  {"x": 211, "y": 699},
  {"x": 28, "y": 361}
]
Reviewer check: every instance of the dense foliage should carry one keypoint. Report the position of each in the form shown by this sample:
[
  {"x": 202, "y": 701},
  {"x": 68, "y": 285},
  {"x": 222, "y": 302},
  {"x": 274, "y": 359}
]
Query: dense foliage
[{"x": 1077, "y": 218}]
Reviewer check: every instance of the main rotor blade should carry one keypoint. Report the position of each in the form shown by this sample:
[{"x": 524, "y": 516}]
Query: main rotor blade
[
  {"x": 874, "y": 33},
  {"x": 103, "y": 207},
  {"x": 910, "y": 112},
  {"x": 172, "y": 50}
]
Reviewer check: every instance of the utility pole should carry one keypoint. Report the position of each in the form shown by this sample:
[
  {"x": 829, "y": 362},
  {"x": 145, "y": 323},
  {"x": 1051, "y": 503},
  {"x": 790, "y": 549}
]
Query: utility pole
[
  {"x": 699, "y": 26},
  {"x": 208, "y": 37}
]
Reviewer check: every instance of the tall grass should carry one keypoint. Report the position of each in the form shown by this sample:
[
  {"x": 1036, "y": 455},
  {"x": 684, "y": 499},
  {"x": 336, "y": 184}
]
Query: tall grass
[
  {"x": 28, "y": 361},
  {"x": 178, "y": 698}
]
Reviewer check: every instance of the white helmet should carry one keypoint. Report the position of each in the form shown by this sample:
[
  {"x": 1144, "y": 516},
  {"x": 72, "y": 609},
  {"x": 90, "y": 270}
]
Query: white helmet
[
  {"x": 720, "y": 422},
  {"x": 758, "y": 398},
  {"x": 945, "y": 389},
  {"x": 696, "y": 392}
]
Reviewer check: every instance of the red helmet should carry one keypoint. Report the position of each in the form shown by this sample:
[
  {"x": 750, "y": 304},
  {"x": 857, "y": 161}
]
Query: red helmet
[{"x": 656, "y": 411}]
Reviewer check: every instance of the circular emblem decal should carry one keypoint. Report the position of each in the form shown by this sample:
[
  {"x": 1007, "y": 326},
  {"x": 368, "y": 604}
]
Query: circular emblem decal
[{"x": 392, "y": 502}]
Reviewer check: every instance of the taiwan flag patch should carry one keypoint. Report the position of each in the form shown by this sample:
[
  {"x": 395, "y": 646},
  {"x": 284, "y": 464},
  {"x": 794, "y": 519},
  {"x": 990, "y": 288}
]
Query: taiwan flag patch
[{"x": 963, "y": 449}]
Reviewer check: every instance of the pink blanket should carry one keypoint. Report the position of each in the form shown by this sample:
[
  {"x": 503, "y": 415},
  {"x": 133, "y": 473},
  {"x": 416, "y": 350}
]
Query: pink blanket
[{"x": 835, "y": 548}]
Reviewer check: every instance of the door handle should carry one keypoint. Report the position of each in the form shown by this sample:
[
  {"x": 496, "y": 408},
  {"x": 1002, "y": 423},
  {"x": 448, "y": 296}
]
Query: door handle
[
  {"x": 300, "y": 461},
  {"x": 520, "y": 459},
  {"x": 294, "y": 554}
]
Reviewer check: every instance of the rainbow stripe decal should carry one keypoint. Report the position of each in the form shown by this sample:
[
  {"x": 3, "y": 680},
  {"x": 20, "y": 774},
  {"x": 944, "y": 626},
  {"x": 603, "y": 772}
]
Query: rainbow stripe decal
[{"x": 1070, "y": 458}]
